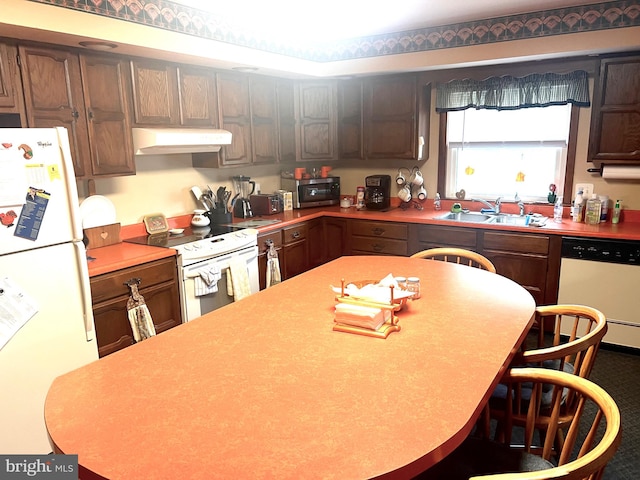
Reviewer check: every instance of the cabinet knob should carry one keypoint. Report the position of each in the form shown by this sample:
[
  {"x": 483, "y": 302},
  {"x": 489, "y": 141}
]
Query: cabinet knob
[
  {"x": 295, "y": 234},
  {"x": 75, "y": 113}
]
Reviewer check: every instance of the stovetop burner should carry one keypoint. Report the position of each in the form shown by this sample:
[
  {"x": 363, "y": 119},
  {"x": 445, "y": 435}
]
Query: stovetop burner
[{"x": 190, "y": 234}]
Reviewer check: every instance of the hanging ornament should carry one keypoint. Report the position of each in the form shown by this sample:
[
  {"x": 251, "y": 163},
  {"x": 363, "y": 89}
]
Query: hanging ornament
[
  {"x": 520, "y": 177},
  {"x": 469, "y": 170}
]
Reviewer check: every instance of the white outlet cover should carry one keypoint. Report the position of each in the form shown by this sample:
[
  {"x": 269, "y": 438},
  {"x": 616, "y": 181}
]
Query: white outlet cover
[{"x": 587, "y": 189}]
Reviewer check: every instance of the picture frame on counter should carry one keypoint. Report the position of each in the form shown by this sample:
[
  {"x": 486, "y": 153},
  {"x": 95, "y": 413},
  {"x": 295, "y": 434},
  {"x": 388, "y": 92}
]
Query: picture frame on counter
[{"x": 155, "y": 223}]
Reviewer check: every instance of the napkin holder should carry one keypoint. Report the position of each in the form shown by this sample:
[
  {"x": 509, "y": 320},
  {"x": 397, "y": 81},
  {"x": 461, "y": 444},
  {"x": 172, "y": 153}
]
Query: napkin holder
[{"x": 384, "y": 330}]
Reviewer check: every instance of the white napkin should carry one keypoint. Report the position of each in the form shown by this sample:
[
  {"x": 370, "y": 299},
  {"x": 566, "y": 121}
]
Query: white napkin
[{"x": 361, "y": 316}]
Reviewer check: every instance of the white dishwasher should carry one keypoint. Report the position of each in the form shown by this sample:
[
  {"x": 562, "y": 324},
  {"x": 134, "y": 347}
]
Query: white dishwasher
[{"x": 604, "y": 274}]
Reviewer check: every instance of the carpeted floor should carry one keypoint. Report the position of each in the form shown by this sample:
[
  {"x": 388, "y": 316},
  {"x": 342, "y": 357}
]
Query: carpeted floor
[{"x": 619, "y": 374}]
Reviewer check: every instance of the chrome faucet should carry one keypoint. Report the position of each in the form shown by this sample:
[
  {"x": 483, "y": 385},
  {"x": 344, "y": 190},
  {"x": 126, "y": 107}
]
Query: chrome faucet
[{"x": 490, "y": 208}]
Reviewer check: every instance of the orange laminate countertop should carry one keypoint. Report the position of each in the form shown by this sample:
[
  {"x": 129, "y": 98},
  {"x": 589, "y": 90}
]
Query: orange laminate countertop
[
  {"x": 264, "y": 388},
  {"x": 122, "y": 255}
]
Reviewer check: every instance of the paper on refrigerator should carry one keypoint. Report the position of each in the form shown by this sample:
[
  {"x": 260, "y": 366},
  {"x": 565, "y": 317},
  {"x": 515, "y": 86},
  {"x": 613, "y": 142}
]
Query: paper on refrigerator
[{"x": 16, "y": 309}]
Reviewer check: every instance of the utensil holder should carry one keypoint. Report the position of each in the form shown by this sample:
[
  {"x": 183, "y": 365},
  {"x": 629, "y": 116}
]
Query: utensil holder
[{"x": 220, "y": 217}]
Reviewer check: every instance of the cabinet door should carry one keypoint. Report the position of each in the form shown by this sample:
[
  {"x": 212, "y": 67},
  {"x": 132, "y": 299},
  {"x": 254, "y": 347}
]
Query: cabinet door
[
  {"x": 11, "y": 98},
  {"x": 317, "y": 244},
  {"x": 318, "y": 123},
  {"x": 53, "y": 97},
  {"x": 106, "y": 86},
  {"x": 615, "y": 117},
  {"x": 295, "y": 250},
  {"x": 296, "y": 257},
  {"x": 335, "y": 237},
  {"x": 155, "y": 93},
  {"x": 264, "y": 116},
  {"x": 391, "y": 113},
  {"x": 197, "y": 92},
  {"x": 350, "y": 119},
  {"x": 235, "y": 116},
  {"x": 522, "y": 258},
  {"x": 287, "y": 121}
]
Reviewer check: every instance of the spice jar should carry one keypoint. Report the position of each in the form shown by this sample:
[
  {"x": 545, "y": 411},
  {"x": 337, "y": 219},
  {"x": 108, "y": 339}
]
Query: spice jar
[{"x": 413, "y": 285}]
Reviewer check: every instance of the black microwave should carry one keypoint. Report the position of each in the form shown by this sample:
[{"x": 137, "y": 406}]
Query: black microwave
[{"x": 313, "y": 192}]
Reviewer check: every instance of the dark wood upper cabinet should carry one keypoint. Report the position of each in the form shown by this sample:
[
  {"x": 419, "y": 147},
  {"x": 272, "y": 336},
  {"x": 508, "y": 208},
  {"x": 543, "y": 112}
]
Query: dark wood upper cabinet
[
  {"x": 383, "y": 117},
  {"x": 53, "y": 96},
  {"x": 197, "y": 97},
  {"x": 615, "y": 115},
  {"x": 264, "y": 119},
  {"x": 106, "y": 86},
  {"x": 318, "y": 125},
  {"x": 234, "y": 109},
  {"x": 11, "y": 98},
  {"x": 88, "y": 95},
  {"x": 350, "y": 119},
  {"x": 155, "y": 93},
  {"x": 287, "y": 139},
  {"x": 391, "y": 109}
]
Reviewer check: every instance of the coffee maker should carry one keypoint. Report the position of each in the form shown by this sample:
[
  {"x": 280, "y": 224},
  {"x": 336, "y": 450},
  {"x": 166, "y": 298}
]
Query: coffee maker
[
  {"x": 244, "y": 187},
  {"x": 377, "y": 192}
]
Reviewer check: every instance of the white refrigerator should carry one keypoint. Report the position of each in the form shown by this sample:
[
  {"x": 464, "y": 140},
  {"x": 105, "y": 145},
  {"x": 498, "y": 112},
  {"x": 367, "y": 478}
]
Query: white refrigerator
[{"x": 46, "y": 321}]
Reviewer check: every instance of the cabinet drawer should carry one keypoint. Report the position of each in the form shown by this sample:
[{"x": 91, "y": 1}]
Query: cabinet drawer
[
  {"x": 112, "y": 285},
  {"x": 380, "y": 229},
  {"x": 275, "y": 237},
  {"x": 513, "y": 242},
  {"x": 378, "y": 246},
  {"x": 294, "y": 233},
  {"x": 448, "y": 236}
]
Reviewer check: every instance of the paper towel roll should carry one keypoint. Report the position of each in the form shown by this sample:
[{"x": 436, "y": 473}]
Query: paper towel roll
[{"x": 621, "y": 172}]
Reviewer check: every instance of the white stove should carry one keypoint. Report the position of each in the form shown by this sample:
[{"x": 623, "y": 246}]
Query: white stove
[
  {"x": 205, "y": 257},
  {"x": 209, "y": 247}
]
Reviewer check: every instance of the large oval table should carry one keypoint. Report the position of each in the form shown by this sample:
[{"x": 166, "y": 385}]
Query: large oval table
[{"x": 264, "y": 388}]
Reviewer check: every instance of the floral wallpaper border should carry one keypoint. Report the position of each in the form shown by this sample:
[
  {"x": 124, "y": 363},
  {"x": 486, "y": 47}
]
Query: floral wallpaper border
[{"x": 167, "y": 15}]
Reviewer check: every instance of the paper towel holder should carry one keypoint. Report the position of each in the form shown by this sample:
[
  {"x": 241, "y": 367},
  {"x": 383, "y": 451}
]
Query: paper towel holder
[{"x": 596, "y": 170}]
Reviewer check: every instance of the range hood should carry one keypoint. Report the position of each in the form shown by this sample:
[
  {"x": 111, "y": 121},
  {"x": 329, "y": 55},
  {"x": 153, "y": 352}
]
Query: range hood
[{"x": 165, "y": 141}]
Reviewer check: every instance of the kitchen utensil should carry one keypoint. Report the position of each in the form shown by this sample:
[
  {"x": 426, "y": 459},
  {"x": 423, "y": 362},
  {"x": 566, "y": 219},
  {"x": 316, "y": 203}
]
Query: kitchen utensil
[
  {"x": 199, "y": 219},
  {"x": 197, "y": 193},
  {"x": 244, "y": 187}
]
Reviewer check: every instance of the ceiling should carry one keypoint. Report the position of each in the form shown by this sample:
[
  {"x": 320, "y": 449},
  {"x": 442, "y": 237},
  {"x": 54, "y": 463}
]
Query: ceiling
[
  {"x": 292, "y": 20},
  {"x": 331, "y": 38}
]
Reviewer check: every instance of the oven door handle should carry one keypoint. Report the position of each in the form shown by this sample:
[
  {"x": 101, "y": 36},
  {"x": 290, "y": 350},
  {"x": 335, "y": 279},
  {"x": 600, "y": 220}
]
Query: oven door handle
[{"x": 223, "y": 265}]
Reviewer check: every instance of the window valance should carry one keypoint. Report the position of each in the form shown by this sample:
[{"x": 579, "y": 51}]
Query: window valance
[{"x": 511, "y": 93}]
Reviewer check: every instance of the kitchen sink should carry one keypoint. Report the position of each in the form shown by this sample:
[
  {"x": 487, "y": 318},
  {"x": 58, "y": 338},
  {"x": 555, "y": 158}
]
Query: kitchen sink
[
  {"x": 471, "y": 217},
  {"x": 500, "y": 219},
  {"x": 516, "y": 220}
]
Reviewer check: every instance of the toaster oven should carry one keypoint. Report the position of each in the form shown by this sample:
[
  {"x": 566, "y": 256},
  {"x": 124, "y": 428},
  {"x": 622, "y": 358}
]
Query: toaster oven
[{"x": 265, "y": 204}]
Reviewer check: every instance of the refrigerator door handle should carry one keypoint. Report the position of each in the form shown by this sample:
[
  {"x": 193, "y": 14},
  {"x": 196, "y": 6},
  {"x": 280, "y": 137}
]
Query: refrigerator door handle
[
  {"x": 87, "y": 305},
  {"x": 70, "y": 178}
]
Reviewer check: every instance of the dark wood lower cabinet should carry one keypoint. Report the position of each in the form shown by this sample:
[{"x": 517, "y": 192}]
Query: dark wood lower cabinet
[{"x": 158, "y": 286}]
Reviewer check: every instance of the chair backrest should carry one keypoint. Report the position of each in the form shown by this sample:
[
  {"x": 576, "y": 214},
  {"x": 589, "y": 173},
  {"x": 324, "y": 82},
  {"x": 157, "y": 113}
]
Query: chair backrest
[
  {"x": 593, "y": 435},
  {"x": 568, "y": 337},
  {"x": 457, "y": 255}
]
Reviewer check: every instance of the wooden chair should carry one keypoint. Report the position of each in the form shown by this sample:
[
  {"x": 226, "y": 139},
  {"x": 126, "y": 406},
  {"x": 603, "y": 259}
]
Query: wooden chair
[
  {"x": 567, "y": 339},
  {"x": 457, "y": 255},
  {"x": 593, "y": 437}
]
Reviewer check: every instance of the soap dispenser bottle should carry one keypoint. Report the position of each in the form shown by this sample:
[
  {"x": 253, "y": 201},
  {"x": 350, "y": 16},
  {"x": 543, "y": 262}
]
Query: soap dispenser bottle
[{"x": 592, "y": 214}]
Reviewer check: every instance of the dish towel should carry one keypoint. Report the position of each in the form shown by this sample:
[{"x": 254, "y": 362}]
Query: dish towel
[
  {"x": 207, "y": 280},
  {"x": 238, "y": 284},
  {"x": 139, "y": 316},
  {"x": 273, "y": 266}
]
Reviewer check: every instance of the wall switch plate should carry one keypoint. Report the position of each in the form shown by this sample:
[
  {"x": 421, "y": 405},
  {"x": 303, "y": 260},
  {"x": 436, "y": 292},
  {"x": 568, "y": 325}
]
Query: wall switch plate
[{"x": 587, "y": 190}]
